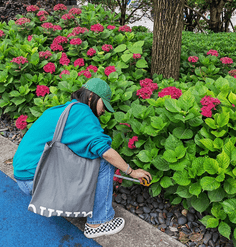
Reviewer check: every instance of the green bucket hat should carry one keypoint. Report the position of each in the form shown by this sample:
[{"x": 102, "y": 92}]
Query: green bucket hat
[{"x": 102, "y": 89}]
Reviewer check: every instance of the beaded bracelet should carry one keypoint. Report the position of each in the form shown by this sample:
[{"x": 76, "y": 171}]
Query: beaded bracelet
[
  {"x": 131, "y": 171},
  {"x": 127, "y": 169}
]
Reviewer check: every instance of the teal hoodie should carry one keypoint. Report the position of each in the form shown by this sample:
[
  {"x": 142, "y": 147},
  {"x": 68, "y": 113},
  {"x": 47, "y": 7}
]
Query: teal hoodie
[{"x": 83, "y": 134}]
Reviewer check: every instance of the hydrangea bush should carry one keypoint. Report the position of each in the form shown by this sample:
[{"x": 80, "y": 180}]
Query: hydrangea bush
[{"x": 182, "y": 132}]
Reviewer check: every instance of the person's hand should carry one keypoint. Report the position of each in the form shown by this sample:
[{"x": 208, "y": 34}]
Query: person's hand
[{"x": 140, "y": 173}]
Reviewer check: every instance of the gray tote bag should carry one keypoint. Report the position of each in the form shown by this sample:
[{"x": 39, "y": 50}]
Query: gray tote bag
[{"x": 64, "y": 183}]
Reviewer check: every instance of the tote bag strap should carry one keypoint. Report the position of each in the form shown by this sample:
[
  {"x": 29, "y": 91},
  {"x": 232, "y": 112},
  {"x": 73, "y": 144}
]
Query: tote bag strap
[{"x": 61, "y": 123}]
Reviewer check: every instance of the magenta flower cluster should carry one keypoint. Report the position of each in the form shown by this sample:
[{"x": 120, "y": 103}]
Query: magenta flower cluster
[
  {"x": 193, "y": 59},
  {"x": 226, "y": 60},
  {"x": 97, "y": 28},
  {"x": 91, "y": 52},
  {"x": 132, "y": 141},
  {"x": 67, "y": 17},
  {"x": 232, "y": 73},
  {"x": 79, "y": 62},
  {"x": 208, "y": 104},
  {"x": 22, "y": 21},
  {"x": 86, "y": 73},
  {"x": 45, "y": 54},
  {"x": 213, "y": 53},
  {"x": 111, "y": 27},
  {"x": 42, "y": 90},
  {"x": 21, "y": 122},
  {"x": 19, "y": 60},
  {"x": 75, "y": 11},
  {"x": 76, "y": 41},
  {"x": 136, "y": 56},
  {"x": 56, "y": 44},
  {"x": 109, "y": 70},
  {"x": 32, "y": 8},
  {"x": 125, "y": 28},
  {"x": 49, "y": 25},
  {"x": 174, "y": 92},
  {"x": 147, "y": 88},
  {"x": 59, "y": 7},
  {"x": 77, "y": 31},
  {"x": 66, "y": 72},
  {"x": 92, "y": 67},
  {"x": 49, "y": 68},
  {"x": 42, "y": 13},
  {"x": 2, "y": 33},
  {"x": 107, "y": 47},
  {"x": 64, "y": 60}
]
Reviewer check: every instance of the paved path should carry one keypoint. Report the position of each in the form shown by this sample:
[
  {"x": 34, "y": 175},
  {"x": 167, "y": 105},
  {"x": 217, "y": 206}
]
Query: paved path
[{"x": 137, "y": 232}]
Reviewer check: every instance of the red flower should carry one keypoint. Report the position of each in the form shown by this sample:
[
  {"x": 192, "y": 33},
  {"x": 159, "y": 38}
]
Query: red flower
[
  {"x": 111, "y": 27},
  {"x": 226, "y": 60},
  {"x": 64, "y": 60},
  {"x": 32, "y": 8},
  {"x": 119, "y": 180},
  {"x": 208, "y": 103},
  {"x": 66, "y": 72},
  {"x": 42, "y": 13},
  {"x": 60, "y": 39},
  {"x": 107, "y": 47},
  {"x": 131, "y": 142},
  {"x": 94, "y": 68},
  {"x": 21, "y": 122},
  {"x": 97, "y": 28},
  {"x": 45, "y": 54},
  {"x": 56, "y": 47},
  {"x": 78, "y": 30},
  {"x": 59, "y": 7},
  {"x": 56, "y": 27},
  {"x": 67, "y": 17},
  {"x": 49, "y": 68},
  {"x": 42, "y": 90},
  {"x": 2, "y": 33},
  {"x": 19, "y": 60},
  {"x": 109, "y": 70},
  {"x": 136, "y": 56},
  {"x": 91, "y": 52},
  {"x": 125, "y": 124},
  {"x": 47, "y": 25},
  {"x": 22, "y": 21},
  {"x": 144, "y": 92},
  {"x": 77, "y": 41},
  {"x": 75, "y": 11},
  {"x": 125, "y": 28},
  {"x": 79, "y": 62},
  {"x": 174, "y": 92},
  {"x": 193, "y": 59},
  {"x": 232, "y": 72},
  {"x": 43, "y": 18},
  {"x": 213, "y": 53},
  {"x": 86, "y": 73},
  {"x": 30, "y": 37}
]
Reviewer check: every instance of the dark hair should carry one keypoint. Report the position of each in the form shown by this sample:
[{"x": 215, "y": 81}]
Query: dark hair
[{"x": 83, "y": 95}]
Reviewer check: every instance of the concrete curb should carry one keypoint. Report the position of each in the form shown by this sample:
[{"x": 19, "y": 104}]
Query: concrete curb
[{"x": 137, "y": 232}]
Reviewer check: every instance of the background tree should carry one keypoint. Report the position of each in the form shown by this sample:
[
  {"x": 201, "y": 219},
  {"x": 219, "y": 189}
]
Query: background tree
[{"x": 167, "y": 37}]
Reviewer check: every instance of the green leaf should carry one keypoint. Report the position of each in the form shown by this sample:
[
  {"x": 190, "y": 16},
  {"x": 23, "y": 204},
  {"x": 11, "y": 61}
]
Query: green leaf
[
  {"x": 209, "y": 183},
  {"x": 126, "y": 57},
  {"x": 126, "y": 96},
  {"x": 230, "y": 186},
  {"x": 180, "y": 151},
  {"x": 35, "y": 111},
  {"x": 217, "y": 195},
  {"x": 205, "y": 219},
  {"x": 166, "y": 182},
  {"x": 144, "y": 156},
  {"x": 218, "y": 212},
  {"x": 224, "y": 229},
  {"x": 177, "y": 200},
  {"x": 218, "y": 134},
  {"x": 232, "y": 98},
  {"x": 208, "y": 143},
  {"x": 183, "y": 191},
  {"x": 183, "y": 133},
  {"x": 170, "y": 156},
  {"x": 211, "y": 123},
  {"x": 212, "y": 223},
  {"x": 195, "y": 188},
  {"x": 155, "y": 189},
  {"x": 223, "y": 119},
  {"x": 218, "y": 143},
  {"x": 172, "y": 105},
  {"x": 18, "y": 101},
  {"x": 141, "y": 63},
  {"x": 182, "y": 178},
  {"x": 211, "y": 166},
  {"x": 14, "y": 93},
  {"x": 172, "y": 142},
  {"x": 200, "y": 203},
  {"x": 120, "y": 48},
  {"x": 160, "y": 163},
  {"x": 34, "y": 58},
  {"x": 186, "y": 100},
  {"x": 198, "y": 165},
  {"x": 223, "y": 160}
]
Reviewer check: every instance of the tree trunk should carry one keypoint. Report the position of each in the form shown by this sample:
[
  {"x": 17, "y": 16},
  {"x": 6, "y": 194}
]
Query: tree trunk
[
  {"x": 167, "y": 37},
  {"x": 216, "y": 8}
]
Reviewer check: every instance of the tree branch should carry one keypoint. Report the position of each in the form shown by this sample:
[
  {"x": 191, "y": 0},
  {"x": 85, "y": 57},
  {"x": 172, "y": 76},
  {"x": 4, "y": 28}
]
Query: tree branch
[{"x": 198, "y": 13}]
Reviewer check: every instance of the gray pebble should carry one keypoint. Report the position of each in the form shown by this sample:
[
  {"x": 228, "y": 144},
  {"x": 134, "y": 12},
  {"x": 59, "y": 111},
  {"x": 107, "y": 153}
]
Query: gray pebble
[
  {"x": 153, "y": 215},
  {"x": 146, "y": 210},
  {"x": 155, "y": 204},
  {"x": 215, "y": 237},
  {"x": 190, "y": 217},
  {"x": 182, "y": 220},
  {"x": 139, "y": 211},
  {"x": 124, "y": 196},
  {"x": 161, "y": 206},
  {"x": 140, "y": 199},
  {"x": 206, "y": 238}
]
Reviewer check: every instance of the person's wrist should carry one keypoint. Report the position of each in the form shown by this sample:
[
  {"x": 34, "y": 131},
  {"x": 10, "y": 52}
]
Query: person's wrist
[{"x": 130, "y": 171}]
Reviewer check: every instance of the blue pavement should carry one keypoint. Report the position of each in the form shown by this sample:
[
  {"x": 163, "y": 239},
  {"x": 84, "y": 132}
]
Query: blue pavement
[{"x": 22, "y": 228}]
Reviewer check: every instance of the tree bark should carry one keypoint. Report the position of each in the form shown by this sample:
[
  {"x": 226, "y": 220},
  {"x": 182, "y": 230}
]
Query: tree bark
[{"x": 167, "y": 37}]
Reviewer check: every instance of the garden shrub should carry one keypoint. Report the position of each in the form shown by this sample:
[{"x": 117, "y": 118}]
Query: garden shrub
[{"x": 182, "y": 132}]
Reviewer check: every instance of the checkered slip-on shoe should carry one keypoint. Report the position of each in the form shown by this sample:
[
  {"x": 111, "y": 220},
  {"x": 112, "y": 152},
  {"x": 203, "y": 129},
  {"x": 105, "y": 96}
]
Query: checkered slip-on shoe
[{"x": 108, "y": 228}]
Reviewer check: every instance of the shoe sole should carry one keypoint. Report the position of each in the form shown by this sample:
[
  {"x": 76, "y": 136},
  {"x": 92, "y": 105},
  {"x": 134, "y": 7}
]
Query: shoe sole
[{"x": 107, "y": 233}]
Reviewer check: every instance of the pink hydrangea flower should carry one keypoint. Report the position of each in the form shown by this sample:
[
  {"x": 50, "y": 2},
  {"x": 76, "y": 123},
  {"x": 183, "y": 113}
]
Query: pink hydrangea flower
[
  {"x": 109, "y": 70},
  {"x": 132, "y": 141},
  {"x": 232, "y": 72},
  {"x": 22, "y": 21},
  {"x": 226, "y": 60},
  {"x": 136, "y": 56},
  {"x": 43, "y": 18},
  {"x": 233, "y": 105},
  {"x": 75, "y": 11},
  {"x": 148, "y": 83},
  {"x": 67, "y": 17},
  {"x": 19, "y": 60},
  {"x": 91, "y": 52},
  {"x": 56, "y": 47},
  {"x": 208, "y": 104},
  {"x": 125, "y": 124},
  {"x": 77, "y": 31},
  {"x": 21, "y": 122},
  {"x": 92, "y": 67},
  {"x": 60, "y": 39},
  {"x": 42, "y": 90},
  {"x": 174, "y": 92},
  {"x": 59, "y": 7},
  {"x": 56, "y": 27},
  {"x": 86, "y": 73},
  {"x": 124, "y": 28},
  {"x": 47, "y": 25},
  {"x": 79, "y": 62},
  {"x": 64, "y": 60},
  {"x": 111, "y": 27},
  {"x": 45, "y": 54},
  {"x": 49, "y": 68},
  {"x": 107, "y": 47},
  {"x": 193, "y": 59},
  {"x": 144, "y": 93},
  {"x": 213, "y": 53},
  {"x": 66, "y": 72},
  {"x": 76, "y": 41},
  {"x": 32, "y": 8},
  {"x": 119, "y": 180},
  {"x": 42, "y": 13},
  {"x": 97, "y": 28},
  {"x": 2, "y": 33},
  {"x": 30, "y": 37}
]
